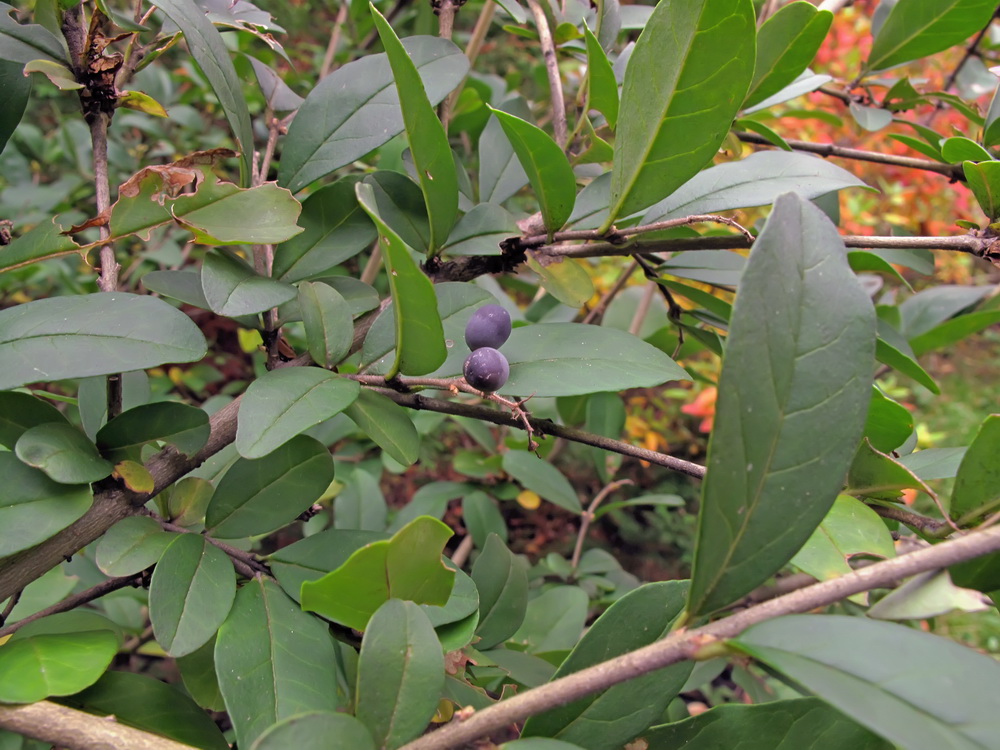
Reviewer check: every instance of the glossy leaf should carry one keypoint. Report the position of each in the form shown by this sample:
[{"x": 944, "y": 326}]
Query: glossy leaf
[
  {"x": 328, "y": 323},
  {"x": 917, "y": 28},
  {"x": 676, "y": 109},
  {"x": 355, "y": 109},
  {"x": 257, "y": 496},
  {"x": 335, "y": 229},
  {"x": 286, "y": 402},
  {"x": 399, "y": 202},
  {"x": 400, "y": 674},
  {"x": 185, "y": 427},
  {"x": 569, "y": 359},
  {"x": 20, "y": 412},
  {"x": 316, "y": 729},
  {"x": 191, "y": 593},
  {"x": 542, "y": 477},
  {"x": 889, "y": 424},
  {"x": 546, "y": 166},
  {"x": 420, "y": 347},
  {"x": 313, "y": 557},
  {"x": 22, "y": 43},
  {"x": 984, "y": 181},
  {"x": 387, "y": 424},
  {"x": 977, "y": 485},
  {"x": 849, "y": 663},
  {"x": 502, "y": 582},
  {"x": 786, "y": 44},
  {"x": 17, "y": 90},
  {"x": 151, "y": 705},
  {"x": 904, "y": 363},
  {"x": 209, "y": 51},
  {"x": 610, "y": 719},
  {"x": 792, "y": 401},
  {"x": 796, "y": 724},
  {"x": 754, "y": 181},
  {"x": 231, "y": 287},
  {"x": 131, "y": 545},
  {"x": 63, "y": 453},
  {"x": 33, "y": 507},
  {"x": 407, "y": 566},
  {"x": 602, "y": 86},
  {"x": 92, "y": 334},
  {"x": 428, "y": 141},
  {"x": 273, "y": 660},
  {"x": 54, "y": 664},
  {"x": 500, "y": 172},
  {"x": 878, "y": 475}
]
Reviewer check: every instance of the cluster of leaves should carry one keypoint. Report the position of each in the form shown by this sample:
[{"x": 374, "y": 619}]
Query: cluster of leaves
[{"x": 246, "y": 539}]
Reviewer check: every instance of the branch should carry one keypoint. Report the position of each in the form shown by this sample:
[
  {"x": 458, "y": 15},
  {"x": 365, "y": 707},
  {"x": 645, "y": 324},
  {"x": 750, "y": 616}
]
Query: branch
[
  {"x": 72, "y": 602},
  {"x": 66, "y": 727},
  {"x": 552, "y": 70},
  {"x": 952, "y": 171},
  {"x": 684, "y": 644},
  {"x": 927, "y": 526}
]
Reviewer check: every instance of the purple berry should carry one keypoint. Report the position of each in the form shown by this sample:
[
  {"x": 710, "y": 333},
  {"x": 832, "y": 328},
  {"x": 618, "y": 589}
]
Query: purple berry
[
  {"x": 486, "y": 369},
  {"x": 489, "y": 326}
]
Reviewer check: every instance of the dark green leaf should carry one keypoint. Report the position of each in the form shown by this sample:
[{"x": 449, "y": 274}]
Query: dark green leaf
[
  {"x": 191, "y": 593},
  {"x": 851, "y": 663},
  {"x": 257, "y": 496},
  {"x": 934, "y": 463},
  {"x": 554, "y": 620},
  {"x": 407, "y": 566},
  {"x": 92, "y": 334},
  {"x": 903, "y": 363},
  {"x": 482, "y": 517},
  {"x": 889, "y": 424},
  {"x": 930, "y": 307},
  {"x": 56, "y": 664},
  {"x": 796, "y": 724},
  {"x": 977, "y": 485},
  {"x": 500, "y": 172},
  {"x": 546, "y": 165},
  {"x": 603, "y": 87},
  {"x": 792, "y": 401},
  {"x": 63, "y": 453},
  {"x": 399, "y": 202},
  {"x": 954, "y": 330},
  {"x": 273, "y": 660},
  {"x": 44, "y": 241},
  {"x": 355, "y": 109},
  {"x": 16, "y": 88},
  {"x": 786, "y": 44},
  {"x": 542, "y": 477},
  {"x": 131, "y": 545},
  {"x": 185, "y": 427},
  {"x": 677, "y": 108},
  {"x": 387, "y": 424},
  {"x": 400, "y": 674},
  {"x": 313, "y": 557},
  {"x": 428, "y": 141},
  {"x": 316, "y": 729},
  {"x": 328, "y": 323},
  {"x": 286, "y": 402},
  {"x": 984, "y": 181},
  {"x": 232, "y": 288},
  {"x": 481, "y": 230},
  {"x": 360, "y": 504},
  {"x": 502, "y": 582},
  {"x": 878, "y": 475},
  {"x": 22, "y": 411},
  {"x": 180, "y": 285},
  {"x": 606, "y": 417},
  {"x": 22, "y": 43},
  {"x": 609, "y": 719},
  {"x": 198, "y": 673}
]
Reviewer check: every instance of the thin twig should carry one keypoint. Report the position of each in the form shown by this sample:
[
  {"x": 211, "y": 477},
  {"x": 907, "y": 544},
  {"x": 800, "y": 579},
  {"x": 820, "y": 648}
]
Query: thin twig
[
  {"x": 928, "y": 526},
  {"x": 11, "y": 603},
  {"x": 331, "y": 47},
  {"x": 462, "y": 551},
  {"x": 618, "y": 236},
  {"x": 595, "y": 315},
  {"x": 587, "y": 517},
  {"x": 72, "y": 602},
  {"x": 246, "y": 563},
  {"x": 552, "y": 70}
]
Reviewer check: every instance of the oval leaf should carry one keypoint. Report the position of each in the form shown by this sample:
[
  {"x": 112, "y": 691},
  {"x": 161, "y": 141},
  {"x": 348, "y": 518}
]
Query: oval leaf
[
  {"x": 63, "y": 453},
  {"x": 542, "y": 477},
  {"x": 387, "y": 424},
  {"x": 185, "y": 427},
  {"x": 56, "y": 664},
  {"x": 316, "y": 729},
  {"x": 131, "y": 545},
  {"x": 502, "y": 582},
  {"x": 977, "y": 484},
  {"x": 231, "y": 287},
  {"x": 328, "y": 323}
]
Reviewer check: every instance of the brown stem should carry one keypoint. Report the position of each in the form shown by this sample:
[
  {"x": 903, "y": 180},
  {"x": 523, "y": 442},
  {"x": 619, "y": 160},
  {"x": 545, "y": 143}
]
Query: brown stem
[
  {"x": 595, "y": 315},
  {"x": 587, "y": 517},
  {"x": 923, "y": 524},
  {"x": 72, "y": 602},
  {"x": 552, "y": 70},
  {"x": 246, "y": 563},
  {"x": 331, "y": 47}
]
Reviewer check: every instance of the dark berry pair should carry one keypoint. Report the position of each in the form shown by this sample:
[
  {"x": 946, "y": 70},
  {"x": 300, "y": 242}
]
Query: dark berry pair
[{"x": 486, "y": 369}]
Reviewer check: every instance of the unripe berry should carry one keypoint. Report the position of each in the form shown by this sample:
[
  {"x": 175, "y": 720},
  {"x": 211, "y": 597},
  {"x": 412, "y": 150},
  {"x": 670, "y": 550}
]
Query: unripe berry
[
  {"x": 489, "y": 326},
  {"x": 486, "y": 369}
]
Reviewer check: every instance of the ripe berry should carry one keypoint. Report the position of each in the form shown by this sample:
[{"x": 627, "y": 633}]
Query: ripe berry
[
  {"x": 488, "y": 326},
  {"x": 486, "y": 369}
]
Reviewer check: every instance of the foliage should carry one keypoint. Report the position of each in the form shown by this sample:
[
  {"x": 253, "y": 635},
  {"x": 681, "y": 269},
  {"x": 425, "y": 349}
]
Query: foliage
[{"x": 250, "y": 499}]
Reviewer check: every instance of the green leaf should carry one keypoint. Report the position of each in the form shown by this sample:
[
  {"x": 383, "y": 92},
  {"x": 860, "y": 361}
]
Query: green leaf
[
  {"x": 605, "y": 416},
  {"x": 977, "y": 485},
  {"x": 677, "y": 108},
  {"x": 934, "y": 463},
  {"x": 792, "y": 401},
  {"x": 850, "y": 528},
  {"x": 387, "y": 424},
  {"x": 930, "y": 307},
  {"x": 313, "y": 557},
  {"x": 198, "y": 674},
  {"x": 191, "y": 593},
  {"x": 185, "y": 427},
  {"x": 569, "y": 359},
  {"x": 602, "y": 86},
  {"x": 925, "y": 595},
  {"x": 903, "y": 363},
  {"x": 209, "y": 51},
  {"x": 360, "y": 504},
  {"x": 33, "y": 507},
  {"x": 481, "y": 230},
  {"x": 399, "y": 202},
  {"x": 918, "y": 28},
  {"x": 420, "y": 347},
  {"x": 20, "y": 412},
  {"x": 316, "y": 729},
  {"x": 407, "y": 566},
  {"x": 273, "y": 660},
  {"x": 63, "y": 453},
  {"x": 786, "y": 44},
  {"x": 796, "y": 724},
  {"x": 566, "y": 280},
  {"x": 286, "y": 402},
  {"x": 334, "y": 229},
  {"x": 984, "y": 181},
  {"x": 862, "y": 260},
  {"x": 502, "y": 582},
  {"x": 546, "y": 165},
  {"x": 554, "y": 620},
  {"x": 878, "y": 475},
  {"x": 328, "y": 323},
  {"x": 92, "y": 334},
  {"x": 482, "y": 517},
  {"x": 850, "y": 663},
  {"x": 400, "y": 674},
  {"x": 56, "y": 664},
  {"x": 22, "y": 43},
  {"x": 17, "y": 90},
  {"x": 41, "y": 243},
  {"x": 542, "y": 477},
  {"x": 756, "y": 180},
  {"x": 953, "y": 331},
  {"x": 889, "y": 424},
  {"x": 232, "y": 288},
  {"x": 428, "y": 141},
  {"x": 151, "y": 705},
  {"x": 131, "y": 545},
  {"x": 613, "y": 717},
  {"x": 257, "y": 496},
  {"x": 500, "y": 172},
  {"x": 958, "y": 149},
  {"x": 355, "y": 109}
]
